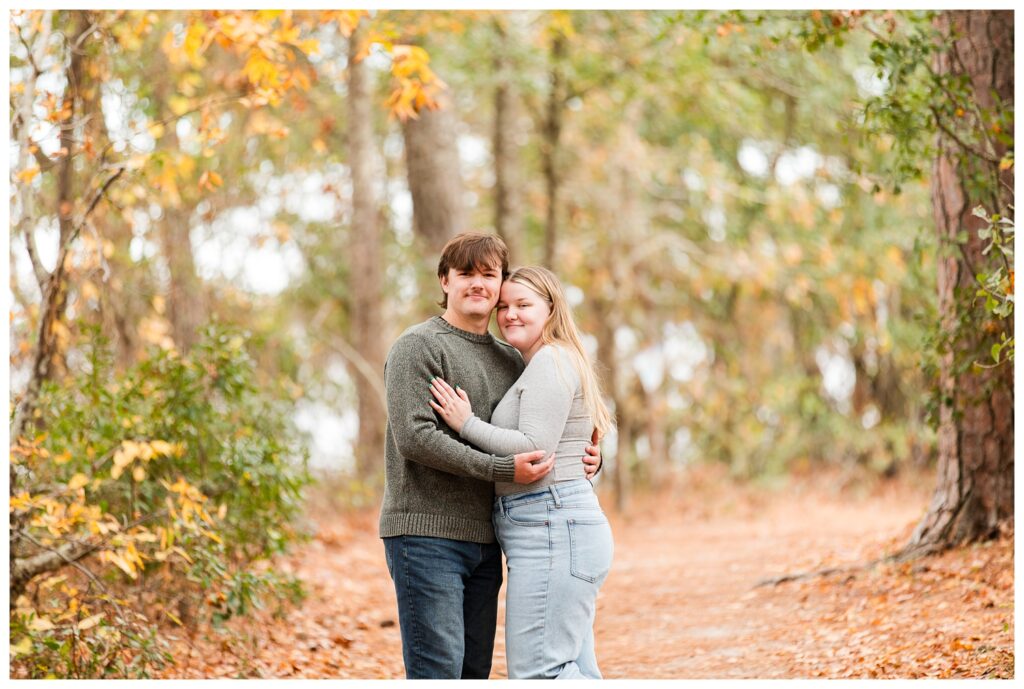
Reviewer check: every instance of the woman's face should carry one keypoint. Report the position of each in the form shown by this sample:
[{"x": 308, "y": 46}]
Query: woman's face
[{"x": 522, "y": 314}]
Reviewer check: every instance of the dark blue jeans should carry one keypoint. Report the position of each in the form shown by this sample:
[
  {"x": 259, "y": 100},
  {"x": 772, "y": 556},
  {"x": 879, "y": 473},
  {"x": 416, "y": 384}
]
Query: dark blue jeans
[{"x": 447, "y": 604}]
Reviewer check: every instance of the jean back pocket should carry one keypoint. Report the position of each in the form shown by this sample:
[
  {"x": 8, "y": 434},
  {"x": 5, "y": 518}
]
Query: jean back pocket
[{"x": 590, "y": 549}]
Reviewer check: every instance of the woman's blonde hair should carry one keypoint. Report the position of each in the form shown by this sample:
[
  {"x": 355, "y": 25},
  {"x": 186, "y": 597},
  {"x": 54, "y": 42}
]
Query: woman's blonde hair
[{"x": 560, "y": 329}]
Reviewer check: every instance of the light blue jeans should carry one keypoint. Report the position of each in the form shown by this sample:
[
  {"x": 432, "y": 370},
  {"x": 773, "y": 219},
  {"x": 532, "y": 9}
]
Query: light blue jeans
[{"x": 558, "y": 546}]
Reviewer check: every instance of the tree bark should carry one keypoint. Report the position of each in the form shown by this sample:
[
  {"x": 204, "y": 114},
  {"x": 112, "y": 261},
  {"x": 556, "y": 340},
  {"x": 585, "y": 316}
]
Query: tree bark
[
  {"x": 366, "y": 268},
  {"x": 48, "y": 359},
  {"x": 550, "y": 147},
  {"x": 434, "y": 174},
  {"x": 508, "y": 211},
  {"x": 186, "y": 309},
  {"x": 975, "y": 444}
]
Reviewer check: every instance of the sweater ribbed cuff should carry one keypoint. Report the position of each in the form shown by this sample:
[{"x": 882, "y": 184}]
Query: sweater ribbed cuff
[{"x": 505, "y": 469}]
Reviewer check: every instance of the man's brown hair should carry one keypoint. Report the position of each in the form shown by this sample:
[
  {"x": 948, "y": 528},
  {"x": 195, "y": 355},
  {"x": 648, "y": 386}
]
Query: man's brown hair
[{"x": 470, "y": 250}]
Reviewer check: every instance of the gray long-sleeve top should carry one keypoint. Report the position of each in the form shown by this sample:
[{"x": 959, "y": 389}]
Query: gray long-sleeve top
[{"x": 543, "y": 410}]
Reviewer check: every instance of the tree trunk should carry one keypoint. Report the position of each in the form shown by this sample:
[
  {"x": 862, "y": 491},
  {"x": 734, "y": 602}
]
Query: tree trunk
[
  {"x": 508, "y": 211},
  {"x": 975, "y": 445},
  {"x": 550, "y": 147},
  {"x": 435, "y": 179},
  {"x": 603, "y": 309},
  {"x": 185, "y": 300},
  {"x": 366, "y": 268},
  {"x": 186, "y": 309},
  {"x": 48, "y": 358}
]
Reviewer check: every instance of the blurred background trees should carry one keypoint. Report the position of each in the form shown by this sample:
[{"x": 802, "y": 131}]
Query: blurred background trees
[{"x": 221, "y": 220}]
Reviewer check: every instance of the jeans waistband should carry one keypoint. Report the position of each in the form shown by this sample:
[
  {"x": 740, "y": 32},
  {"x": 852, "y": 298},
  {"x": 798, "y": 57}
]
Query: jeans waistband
[{"x": 555, "y": 492}]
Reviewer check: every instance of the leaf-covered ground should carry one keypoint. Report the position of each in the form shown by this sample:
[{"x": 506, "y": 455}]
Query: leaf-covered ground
[{"x": 682, "y": 600}]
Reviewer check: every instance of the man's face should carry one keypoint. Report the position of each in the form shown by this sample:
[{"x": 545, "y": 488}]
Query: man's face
[{"x": 472, "y": 293}]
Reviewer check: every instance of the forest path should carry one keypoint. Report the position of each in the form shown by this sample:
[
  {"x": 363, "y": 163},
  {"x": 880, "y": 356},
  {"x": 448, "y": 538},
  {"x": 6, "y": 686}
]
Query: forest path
[{"x": 681, "y": 600}]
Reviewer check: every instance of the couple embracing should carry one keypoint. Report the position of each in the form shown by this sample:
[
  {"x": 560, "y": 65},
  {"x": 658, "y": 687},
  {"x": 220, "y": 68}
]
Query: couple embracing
[{"x": 490, "y": 448}]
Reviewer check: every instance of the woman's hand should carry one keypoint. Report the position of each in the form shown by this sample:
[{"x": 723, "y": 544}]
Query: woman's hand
[{"x": 452, "y": 405}]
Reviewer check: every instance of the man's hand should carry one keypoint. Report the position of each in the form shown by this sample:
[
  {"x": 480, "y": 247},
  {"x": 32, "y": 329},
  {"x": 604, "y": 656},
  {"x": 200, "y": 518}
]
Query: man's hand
[
  {"x": 592, "y": 460},
  {"x": 531, "y": 466}
]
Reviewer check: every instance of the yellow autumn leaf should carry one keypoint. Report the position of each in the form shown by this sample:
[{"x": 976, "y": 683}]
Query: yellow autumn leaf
[
  {"x": 309, "y": 46},
  {"x": 139, "y": 474},
  {"x": 157, "y": 130},
  {"x": 179, "y": 105},
  {"x": 20, "y": 501},
  {"x": 122, "y": 458},
  {"x": 41, "y": 624},
  {"x": 121, "y": 563},
  {"x": 161, "y": 447},
  {"x": 53, "y": 581},
  {"x": 211, "y": 535},
  {"x": 78, "y": 481},
  {"x": 215, "y": 179},
  {"x": 116, "y": 471},
  {"x": 22, "y": 647},
  {"x": 90, "y": 622},
  {"x": 29, "y": 174}
]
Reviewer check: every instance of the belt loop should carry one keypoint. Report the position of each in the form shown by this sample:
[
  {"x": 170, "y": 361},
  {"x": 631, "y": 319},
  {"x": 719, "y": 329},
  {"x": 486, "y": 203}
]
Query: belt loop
[
  {"x": 501, "y": 505},
  {"x": 554, "y": 494}
]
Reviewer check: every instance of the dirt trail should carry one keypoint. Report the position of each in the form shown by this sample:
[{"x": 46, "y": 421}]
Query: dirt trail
[{"x": 681, "y": 600}]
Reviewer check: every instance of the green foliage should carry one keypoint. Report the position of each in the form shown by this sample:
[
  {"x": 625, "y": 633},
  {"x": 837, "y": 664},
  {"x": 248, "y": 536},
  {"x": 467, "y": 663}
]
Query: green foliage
[
  {"x": 996, "y": 286},
  {"x": 180, "y": 471}
]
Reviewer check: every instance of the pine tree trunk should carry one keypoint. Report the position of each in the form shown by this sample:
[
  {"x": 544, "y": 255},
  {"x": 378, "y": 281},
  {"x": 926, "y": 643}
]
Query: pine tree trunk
[
  {"x": 508, "y": 212},
  {"x": 975, "y": 445},
  {"x": 365, "y": 260},
  {"x": 435, "y": 179}
]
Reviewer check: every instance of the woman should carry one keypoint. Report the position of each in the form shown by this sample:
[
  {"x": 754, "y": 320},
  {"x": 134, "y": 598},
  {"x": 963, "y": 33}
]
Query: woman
[{"x": 556, "y": 539}]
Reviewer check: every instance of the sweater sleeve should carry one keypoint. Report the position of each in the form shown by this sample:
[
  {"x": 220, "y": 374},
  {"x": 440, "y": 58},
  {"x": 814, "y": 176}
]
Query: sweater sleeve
[
  {"x": 419, "y": 438},
  {"x": 548, "y": 386}
]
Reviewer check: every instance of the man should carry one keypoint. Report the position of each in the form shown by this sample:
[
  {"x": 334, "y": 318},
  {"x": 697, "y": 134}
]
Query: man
[{"x": 438, "y": 492}]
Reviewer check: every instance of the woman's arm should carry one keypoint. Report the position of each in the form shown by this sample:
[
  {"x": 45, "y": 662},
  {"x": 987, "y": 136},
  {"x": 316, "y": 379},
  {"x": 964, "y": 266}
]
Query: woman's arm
[{"x": 549, "y": 386}]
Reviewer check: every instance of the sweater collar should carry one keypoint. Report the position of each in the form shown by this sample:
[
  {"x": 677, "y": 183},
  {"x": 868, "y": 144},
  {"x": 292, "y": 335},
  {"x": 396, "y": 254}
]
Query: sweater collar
[{"x": 472, "y": 337}]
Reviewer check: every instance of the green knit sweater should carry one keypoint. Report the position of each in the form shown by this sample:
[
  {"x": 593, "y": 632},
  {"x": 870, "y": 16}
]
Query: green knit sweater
[{"x": 435, "y": 484}]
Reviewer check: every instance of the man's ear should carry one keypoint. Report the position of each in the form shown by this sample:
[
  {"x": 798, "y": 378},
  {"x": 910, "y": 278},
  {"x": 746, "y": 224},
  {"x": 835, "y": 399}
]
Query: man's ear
[{"x": 444, "y": 283}]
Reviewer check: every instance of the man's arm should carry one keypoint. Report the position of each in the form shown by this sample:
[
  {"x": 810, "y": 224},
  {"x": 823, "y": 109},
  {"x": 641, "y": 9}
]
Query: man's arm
[{"x": 411, "y": 364}]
